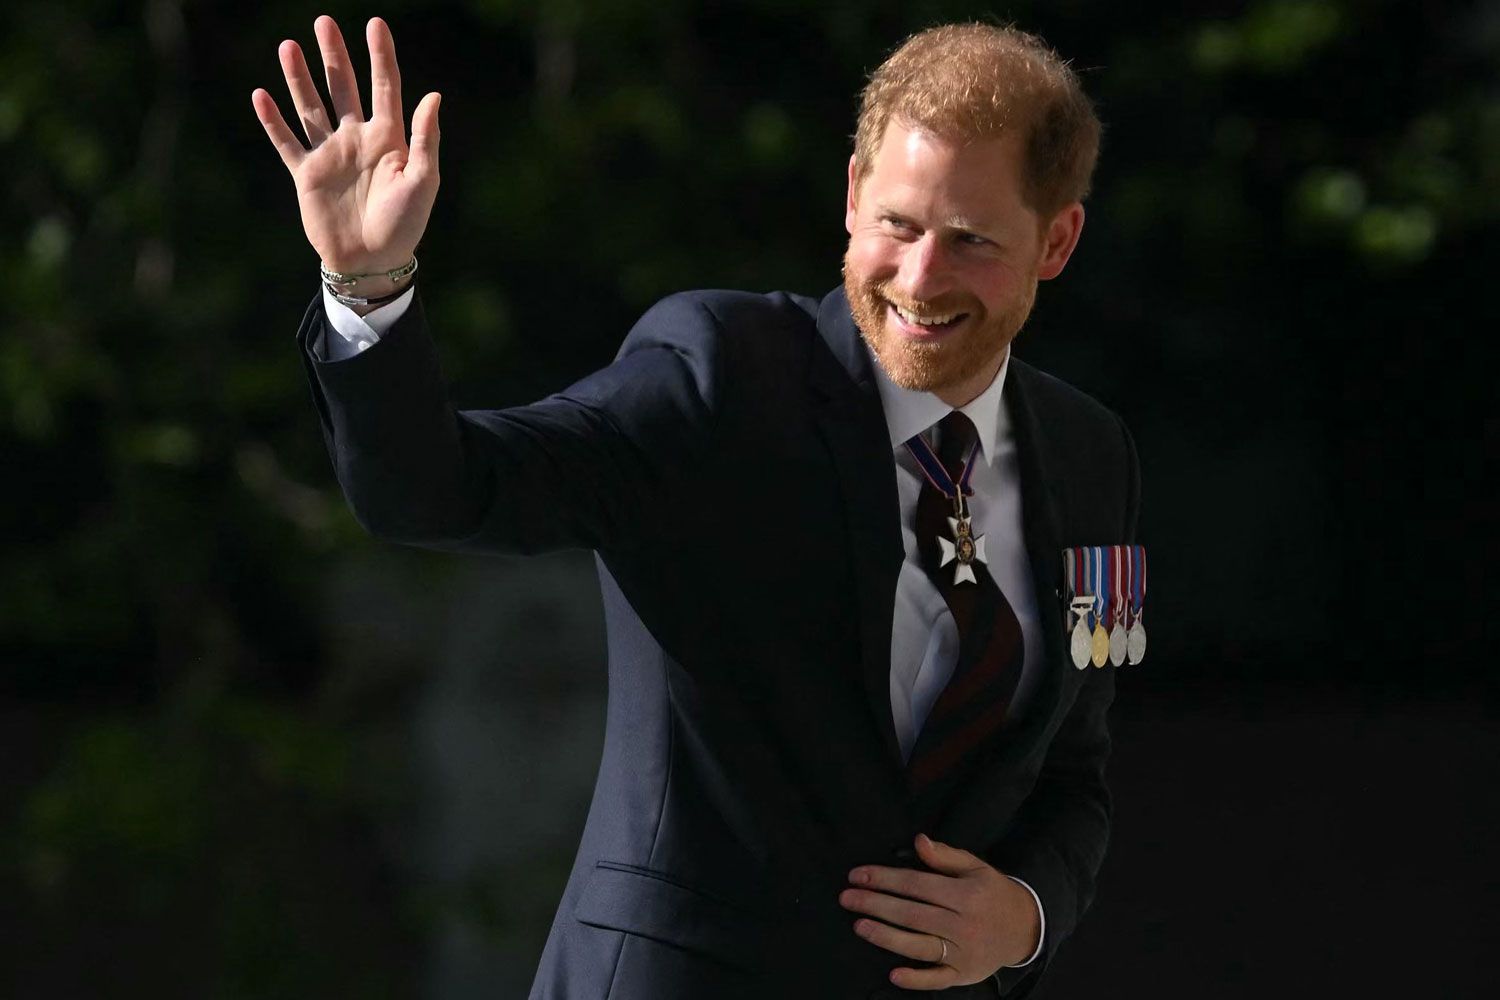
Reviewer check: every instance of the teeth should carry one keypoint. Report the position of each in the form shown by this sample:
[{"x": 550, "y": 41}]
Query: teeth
[{"x": 912, "y": 317}]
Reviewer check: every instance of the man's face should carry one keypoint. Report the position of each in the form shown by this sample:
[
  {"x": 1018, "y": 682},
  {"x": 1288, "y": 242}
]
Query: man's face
[{"x": 940, "y": 231}]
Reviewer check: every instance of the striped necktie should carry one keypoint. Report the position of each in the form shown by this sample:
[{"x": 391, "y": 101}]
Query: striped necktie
[{"x": 966, "y": 717}]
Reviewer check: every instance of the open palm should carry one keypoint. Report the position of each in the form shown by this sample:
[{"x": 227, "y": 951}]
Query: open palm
[{"x": 365, "y": 195}]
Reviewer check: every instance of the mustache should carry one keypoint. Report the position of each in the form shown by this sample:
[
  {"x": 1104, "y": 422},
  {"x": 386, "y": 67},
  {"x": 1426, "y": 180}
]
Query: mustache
[{"x": 930, "y": 307}]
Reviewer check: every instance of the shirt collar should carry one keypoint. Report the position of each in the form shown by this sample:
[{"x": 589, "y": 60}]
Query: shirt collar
[{"x": 909, "y": 412}]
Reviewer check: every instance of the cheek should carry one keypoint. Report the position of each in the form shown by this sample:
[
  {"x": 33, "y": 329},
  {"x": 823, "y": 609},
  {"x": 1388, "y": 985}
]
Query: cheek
[
  {"x": 873, "y": 259},
  {"x": 992, "y": 292}
]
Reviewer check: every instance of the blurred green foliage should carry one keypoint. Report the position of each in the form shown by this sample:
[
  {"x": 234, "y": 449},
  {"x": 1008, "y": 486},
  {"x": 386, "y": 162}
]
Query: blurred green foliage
[{"x": 1278, "y": 173}]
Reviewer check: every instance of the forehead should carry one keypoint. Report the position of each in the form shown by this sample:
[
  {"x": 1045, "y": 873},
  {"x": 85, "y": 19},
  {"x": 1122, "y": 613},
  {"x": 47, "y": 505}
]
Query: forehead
[{"x": 917, "y": 171}]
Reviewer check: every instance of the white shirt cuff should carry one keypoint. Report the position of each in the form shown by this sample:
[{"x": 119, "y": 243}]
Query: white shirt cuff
[
  {"x": 355, "y": 332},
  {"x": 1042, "y": 931}
]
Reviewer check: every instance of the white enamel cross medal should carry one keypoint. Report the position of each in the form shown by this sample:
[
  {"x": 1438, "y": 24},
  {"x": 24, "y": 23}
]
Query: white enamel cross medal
[{"x": 966, "y": 547}]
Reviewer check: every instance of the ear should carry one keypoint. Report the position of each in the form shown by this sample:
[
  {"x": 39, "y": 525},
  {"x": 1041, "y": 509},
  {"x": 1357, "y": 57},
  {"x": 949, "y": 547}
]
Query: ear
[
  {"x": 850, "y": 209},
  {"x": 1058, "y": 241}
]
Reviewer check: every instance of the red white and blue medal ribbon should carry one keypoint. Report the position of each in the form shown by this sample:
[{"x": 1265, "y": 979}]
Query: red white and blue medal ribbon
[
  {"x": 1080, "y": 646},
  {"x": 1099, "y": 639},
  {"x": 1118, "y": 601},
  {"x": 1135, "y": 637},
  {"x": 966, "y": 547},
  {"x": 1106, "y": 594}
]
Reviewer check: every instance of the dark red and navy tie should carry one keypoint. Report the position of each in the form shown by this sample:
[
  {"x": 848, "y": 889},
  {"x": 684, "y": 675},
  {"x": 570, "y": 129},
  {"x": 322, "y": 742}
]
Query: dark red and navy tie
[{"x": 967, "y": 716}]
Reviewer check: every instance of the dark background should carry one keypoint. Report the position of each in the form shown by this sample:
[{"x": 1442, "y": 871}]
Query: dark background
[{"x": 246, "y": 751}]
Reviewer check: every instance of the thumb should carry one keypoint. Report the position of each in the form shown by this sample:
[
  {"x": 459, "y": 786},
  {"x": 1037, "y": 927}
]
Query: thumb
[
  {"x": 943, "y": 858},
  {"x": 424, "y": 135}
]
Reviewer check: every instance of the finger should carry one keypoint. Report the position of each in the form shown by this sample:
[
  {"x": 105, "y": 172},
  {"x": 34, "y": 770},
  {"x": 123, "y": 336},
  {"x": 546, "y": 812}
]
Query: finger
[
  {"x": 939, "y": 890},
  {"x": 424, "y": 136},
  {"x": 385, "y": 76},
  {"x": 342, "y": 86},
  {"x": 287, "y": 144},
  {"x": 305, "y": 96},
  {"x": 922, "y": 947},
  {"x": 906, "y": 913},
  {"x": 945, "y": 858},
  {"x": 937, "y": 977}
]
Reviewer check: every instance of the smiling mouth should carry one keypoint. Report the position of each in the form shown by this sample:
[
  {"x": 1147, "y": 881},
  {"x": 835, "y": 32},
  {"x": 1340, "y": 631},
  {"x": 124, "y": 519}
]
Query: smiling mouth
[{"x": 928, "y": 325}]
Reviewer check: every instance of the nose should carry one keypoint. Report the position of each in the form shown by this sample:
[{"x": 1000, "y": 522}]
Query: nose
[{"x": 925, "y": 271}]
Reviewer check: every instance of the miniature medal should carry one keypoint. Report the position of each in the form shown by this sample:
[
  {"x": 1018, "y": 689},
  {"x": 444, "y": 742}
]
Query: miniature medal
[
  {"x": 1118, "y": 599},
  {"x": 1135, "y": 638},
  {"x": 1135, "y": 642},
  {"x": 1080, "y": 645},
  {"x": 1099, "y": 642},
  {"x": 1099, "y": 646},
  {"x": 1118, "y": 641}
]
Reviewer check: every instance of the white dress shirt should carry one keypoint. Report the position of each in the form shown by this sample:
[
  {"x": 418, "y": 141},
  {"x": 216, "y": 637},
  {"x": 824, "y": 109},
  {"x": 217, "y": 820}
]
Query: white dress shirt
[{"x": 924, "y": 638}]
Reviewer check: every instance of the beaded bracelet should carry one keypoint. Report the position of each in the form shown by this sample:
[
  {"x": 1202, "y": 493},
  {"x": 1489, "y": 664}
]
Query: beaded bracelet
[{"x": 350, "y": 280}]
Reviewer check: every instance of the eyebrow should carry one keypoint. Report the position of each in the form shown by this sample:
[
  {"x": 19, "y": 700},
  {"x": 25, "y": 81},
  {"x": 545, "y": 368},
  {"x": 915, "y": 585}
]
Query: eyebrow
[{"x": 951, "y": 222}]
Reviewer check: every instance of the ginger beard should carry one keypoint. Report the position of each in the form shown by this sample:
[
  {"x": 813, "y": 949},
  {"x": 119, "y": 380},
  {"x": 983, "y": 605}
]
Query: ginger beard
[{"x": 979, "y": 342}]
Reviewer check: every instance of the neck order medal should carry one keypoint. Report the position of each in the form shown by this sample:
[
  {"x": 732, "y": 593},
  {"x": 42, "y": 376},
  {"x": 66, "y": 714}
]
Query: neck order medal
[{"x": 965, "y": 548}]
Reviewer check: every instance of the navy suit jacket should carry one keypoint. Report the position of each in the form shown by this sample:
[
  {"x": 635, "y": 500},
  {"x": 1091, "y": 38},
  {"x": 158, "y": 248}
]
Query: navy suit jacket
[{"x": 732, "y": 471}]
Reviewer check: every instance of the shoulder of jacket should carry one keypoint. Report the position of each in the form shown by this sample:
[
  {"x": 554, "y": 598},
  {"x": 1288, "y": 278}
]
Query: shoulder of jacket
[
  {"x": 732, "y": 309},
  {"x": 745, "y": 324},
  {"x": 1053, "y": 395}
]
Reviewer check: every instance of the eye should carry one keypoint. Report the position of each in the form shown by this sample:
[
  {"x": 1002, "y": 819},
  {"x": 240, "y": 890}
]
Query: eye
[
  {"x": 896, "y": 223},
  {"x": 972, "y": 239}
]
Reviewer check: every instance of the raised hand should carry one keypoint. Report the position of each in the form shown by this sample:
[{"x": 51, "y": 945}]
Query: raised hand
[{"x": 365, "y": 195}]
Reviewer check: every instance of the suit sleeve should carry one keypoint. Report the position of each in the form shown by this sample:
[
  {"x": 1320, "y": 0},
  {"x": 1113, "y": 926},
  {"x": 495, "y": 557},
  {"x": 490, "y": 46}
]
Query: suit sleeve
[
  {"x": 1057, "y": 842},
  {"x": 591, "y": 466}
]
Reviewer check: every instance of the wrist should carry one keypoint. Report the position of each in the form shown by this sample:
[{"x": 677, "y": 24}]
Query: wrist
[
  {"x": 365, "y": 291},
  {"x": 377, "y": 302},
  {"x": 375, "y": 287},
  {"x": 1029, "y": 920},
  {"x": 350, "y": 278},
  {"x": 355, "y": 266}
]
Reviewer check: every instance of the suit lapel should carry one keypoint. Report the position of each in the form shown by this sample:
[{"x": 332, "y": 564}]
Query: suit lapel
[{"x": 853, "y": 425}]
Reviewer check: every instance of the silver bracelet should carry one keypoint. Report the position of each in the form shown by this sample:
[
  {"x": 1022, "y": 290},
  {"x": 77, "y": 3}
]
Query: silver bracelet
[{"x": 350, "y": 280}]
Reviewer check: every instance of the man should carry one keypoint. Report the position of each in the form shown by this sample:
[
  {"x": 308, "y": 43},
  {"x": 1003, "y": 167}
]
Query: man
[{"x": 829, "y": 536}]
